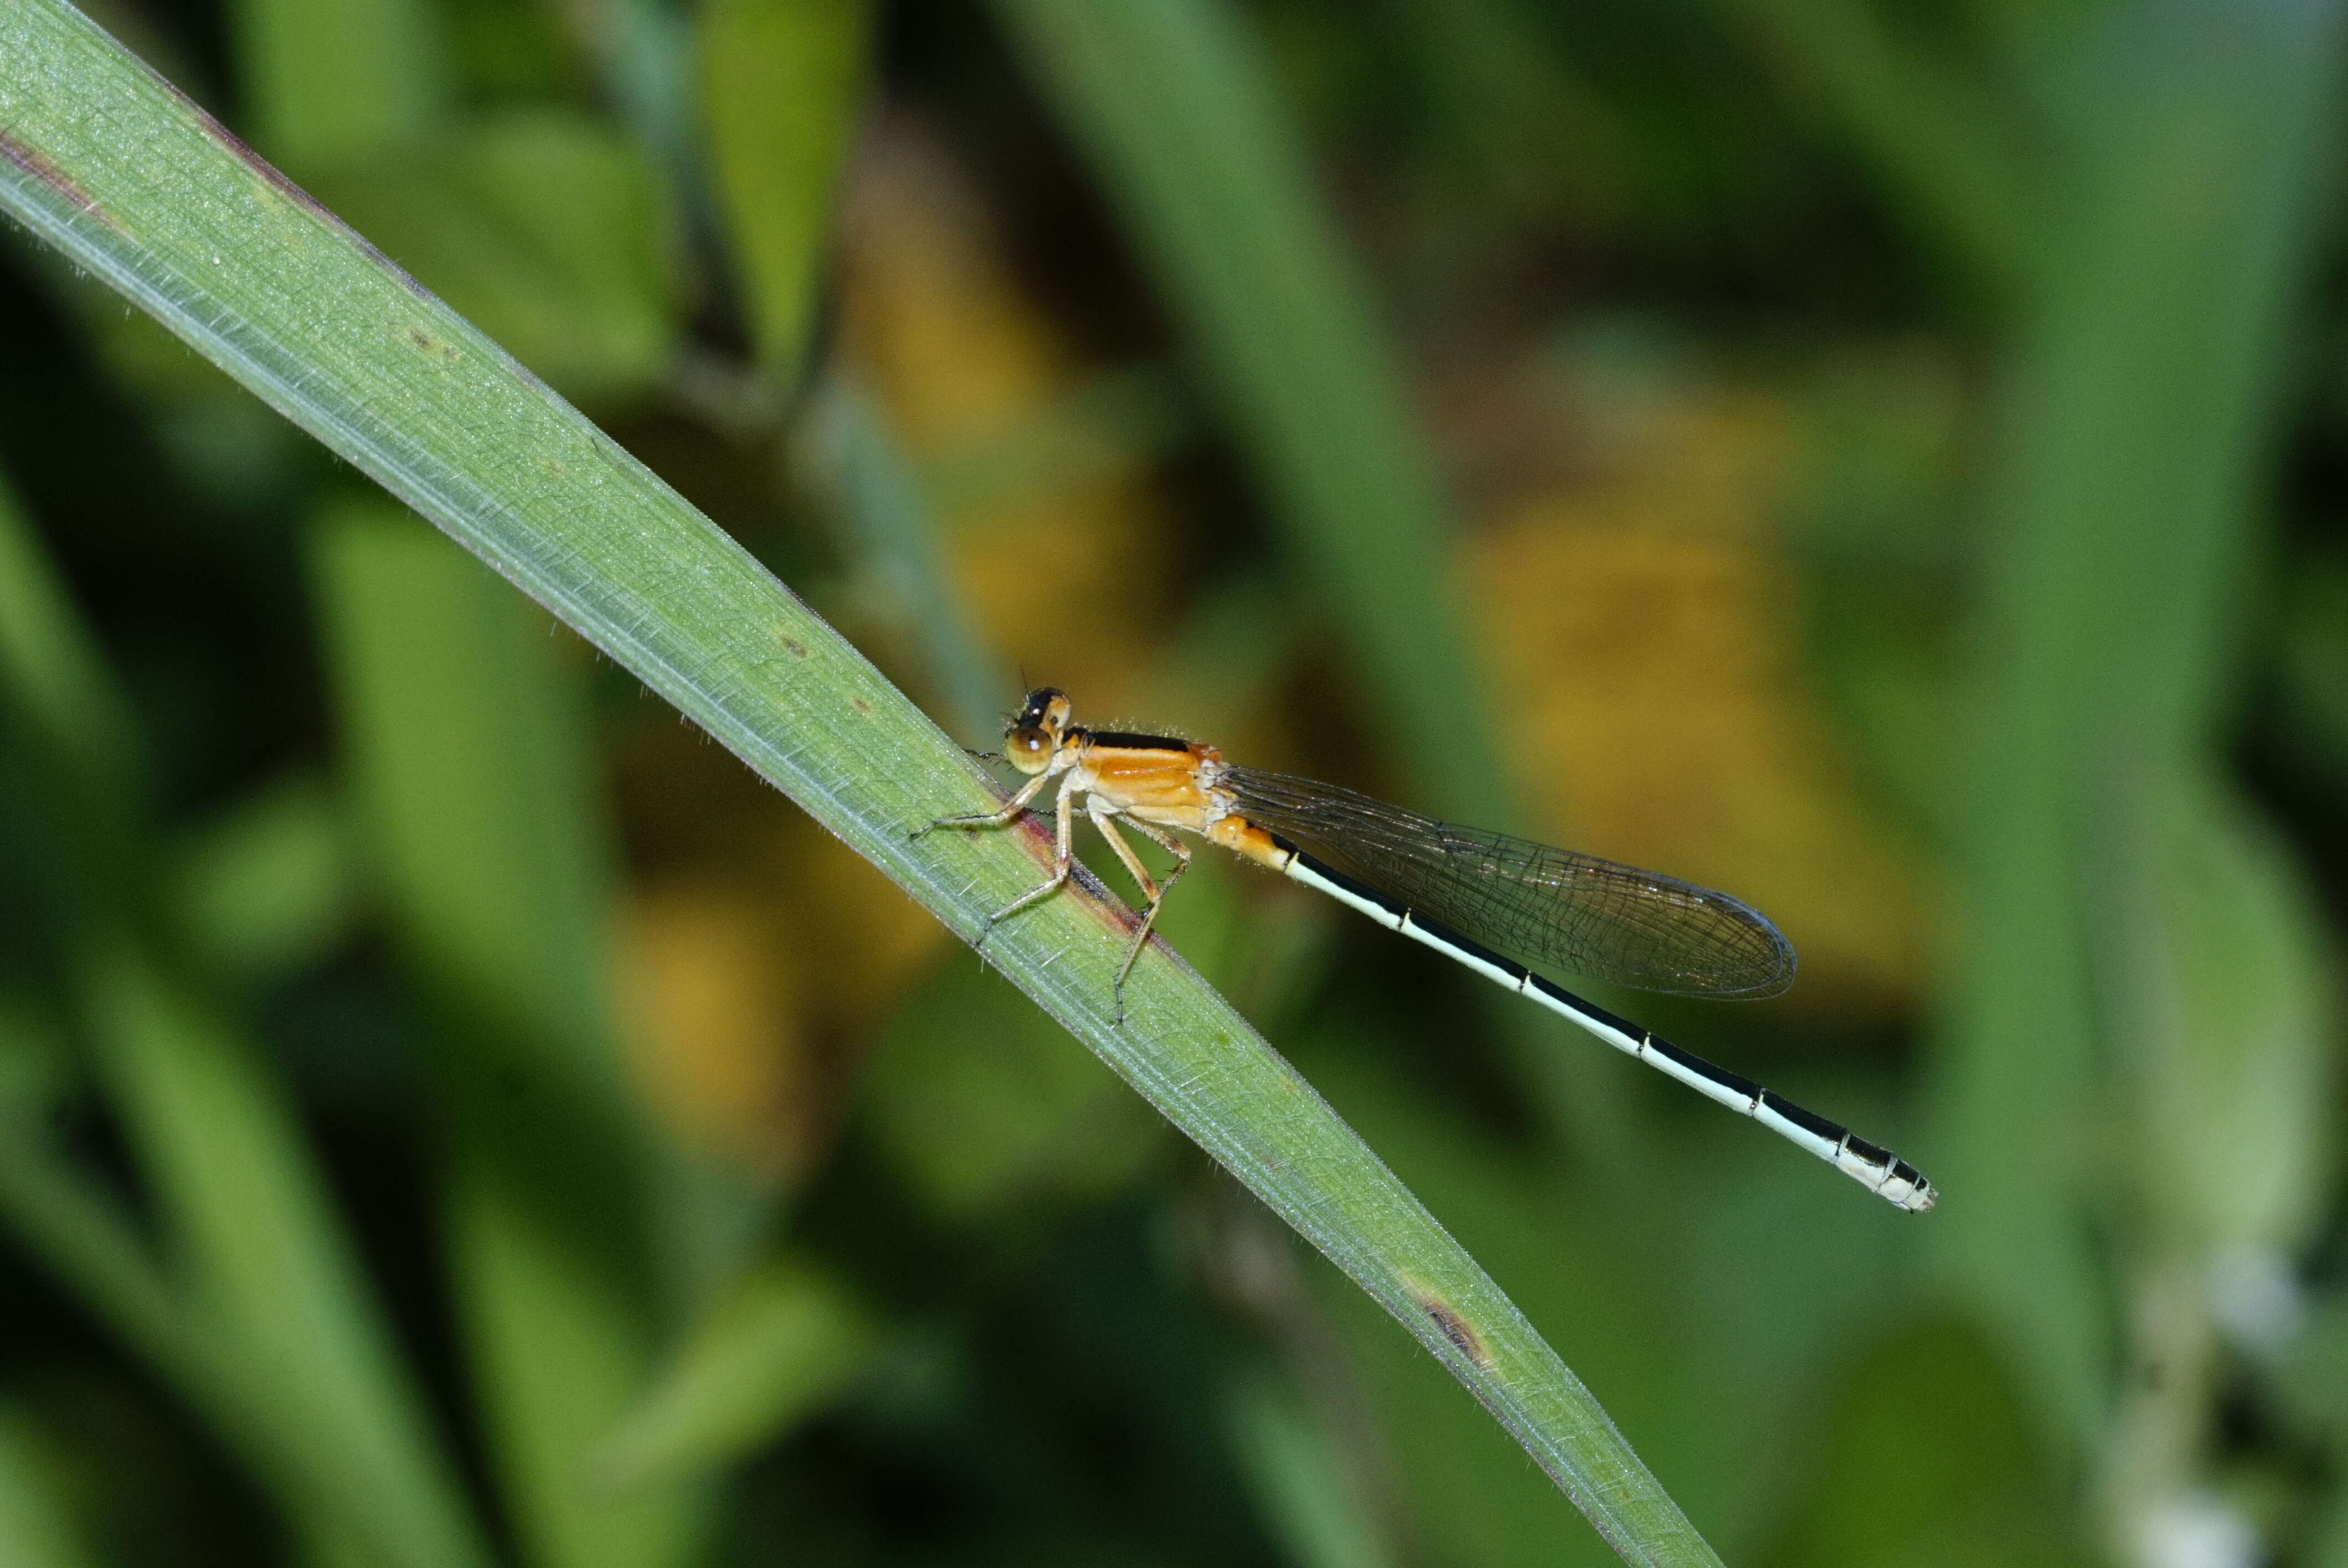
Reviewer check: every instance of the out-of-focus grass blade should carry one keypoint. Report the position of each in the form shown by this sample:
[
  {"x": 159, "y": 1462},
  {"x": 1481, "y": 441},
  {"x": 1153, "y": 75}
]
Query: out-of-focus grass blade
[
  {"x": 36, "y": 1528},
  {"x": 784, "y": 1342},
  {"x": 2308, "y": 1387},
  {"x": 467, "y": 750},
  {"x": 327, "y": 81},
  {"x": 1176, "y": 106},
  {"x": 49, "y": 667},
  {"x": 1970, "y": 1484},
  {"x": 269, "y": 885},
  {"x": 557, "y": 1353},
  {"x": 102, "y": 159},
  {"x": 267, "y": 1260},
  {"x": 287, "y": 1345},
  {"x": 642, "y": 54},
  {"x": 1299, "y": 1482},
  {"x": 84, "y": 1236},
  {"x": 877, "y": 490},
  {"x": 443, "y": 681},
  {"x": 2314, "y": 669},
  {"x": 2223, "y": 1031},
  {"x": 1946, "y": 150},
  {"x": 781, "y": 83},
  {"x": 2128, "y": 460}
]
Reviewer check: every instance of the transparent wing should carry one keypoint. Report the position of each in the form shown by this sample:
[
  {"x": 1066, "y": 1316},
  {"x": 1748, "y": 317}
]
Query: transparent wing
[{"x": 1538, "y": 904}]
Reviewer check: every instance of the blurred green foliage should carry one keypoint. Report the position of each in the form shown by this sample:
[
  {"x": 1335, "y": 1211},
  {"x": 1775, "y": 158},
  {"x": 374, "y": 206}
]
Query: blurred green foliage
[{"x": 1882, "y": 458}]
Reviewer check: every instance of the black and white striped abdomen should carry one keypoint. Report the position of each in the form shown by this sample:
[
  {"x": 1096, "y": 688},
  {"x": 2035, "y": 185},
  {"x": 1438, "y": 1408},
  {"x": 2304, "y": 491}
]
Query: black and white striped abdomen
[{"x": 1877, "y": 1169}]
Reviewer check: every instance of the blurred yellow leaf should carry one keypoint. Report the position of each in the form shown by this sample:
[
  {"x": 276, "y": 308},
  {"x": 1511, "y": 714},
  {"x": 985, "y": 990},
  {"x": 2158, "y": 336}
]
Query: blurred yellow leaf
[
  {"x": 939, "y": 325},
  {"x": 864, "y": 934},
  {"x": 719, "y": 1042},
  {"x": 718, "y": 836},
  {"x": 1642, "y": 631}
]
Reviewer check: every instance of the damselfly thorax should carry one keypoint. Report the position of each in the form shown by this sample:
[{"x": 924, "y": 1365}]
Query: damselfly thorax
[
  {"x": 1495, "y": 904},
  {"x": 1166, "y": 782}
]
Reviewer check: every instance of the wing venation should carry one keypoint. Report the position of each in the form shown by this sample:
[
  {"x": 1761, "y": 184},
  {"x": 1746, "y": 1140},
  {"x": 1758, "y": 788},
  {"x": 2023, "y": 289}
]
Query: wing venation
[{"x": 1538, "y": 905}]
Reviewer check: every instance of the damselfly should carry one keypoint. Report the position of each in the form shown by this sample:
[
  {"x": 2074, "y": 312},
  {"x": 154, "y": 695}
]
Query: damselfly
[{"x": 1494, "y": 903}]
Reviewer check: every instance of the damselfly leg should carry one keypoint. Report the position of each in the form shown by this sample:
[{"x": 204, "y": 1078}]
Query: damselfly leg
[{"x": 1105, "y": 817}]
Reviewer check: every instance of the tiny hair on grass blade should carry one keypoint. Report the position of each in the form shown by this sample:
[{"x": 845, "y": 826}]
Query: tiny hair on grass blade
[{"x": 1482, "y": 898}]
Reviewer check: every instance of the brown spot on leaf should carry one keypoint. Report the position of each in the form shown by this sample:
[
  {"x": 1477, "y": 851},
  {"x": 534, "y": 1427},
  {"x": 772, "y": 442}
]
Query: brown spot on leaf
[
  {"x": 1456, "y": 1328},
  {"x": 43, "y": 168},
  {"x": 427, "y": 343}
]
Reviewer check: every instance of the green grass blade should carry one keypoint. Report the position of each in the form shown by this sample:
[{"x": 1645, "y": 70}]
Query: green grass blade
[
  {"x": 781, "y": 81},
  {"x": 82, "y": 1236},
  {"x": 1298, "y": 1479},
  {"x": 642, "y": 52},
  {"x": 557, "y": 1354},
  {"x": 443, "y": 684},
  {"x": 36, "y": 1525},
  {"x": 50, "y": 665},
  {"x": 777, "y": 1348},
  {"x": 2226, "y": 1035},
  {"x": 268, "y": 885},
  {"x": 334, "y": 80},
  {"x": 269, "y": 1267},
  {"x": 103, "y": 160}
]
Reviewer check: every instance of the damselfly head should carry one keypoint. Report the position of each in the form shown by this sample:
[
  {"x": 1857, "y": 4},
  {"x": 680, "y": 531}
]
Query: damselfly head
[{"x": 1033, "y": 733}]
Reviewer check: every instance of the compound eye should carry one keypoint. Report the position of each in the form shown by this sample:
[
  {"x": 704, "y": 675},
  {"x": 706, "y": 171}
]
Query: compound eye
[
  {"x": 1039, "y": 706},
  {"x": 1026, "y": 741}
]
